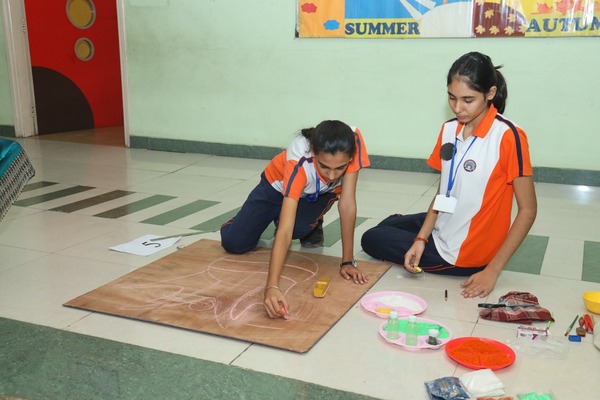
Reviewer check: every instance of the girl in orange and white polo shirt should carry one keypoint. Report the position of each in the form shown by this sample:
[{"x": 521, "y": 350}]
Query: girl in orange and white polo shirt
[
  {"x": 297, "y": 188},
  {"x": 484, "y": 162}
]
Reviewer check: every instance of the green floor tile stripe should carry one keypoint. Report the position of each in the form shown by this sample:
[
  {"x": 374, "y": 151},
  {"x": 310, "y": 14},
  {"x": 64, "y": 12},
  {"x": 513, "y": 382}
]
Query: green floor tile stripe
[
  {"x": 37, "y": 185},
  {"x": 52, "y": 196},
  {"x": 180, "y": 212},
  {"x": 333, "y": 232},
  {"x": 591, "y": 262},
  {"x": 135, "y": 206},
  {"x": 91, "y": 201},
  {"x": 530, "y": 255},
  {"x": 214, "y": 224},
  {"x": 45, "y": 363}
]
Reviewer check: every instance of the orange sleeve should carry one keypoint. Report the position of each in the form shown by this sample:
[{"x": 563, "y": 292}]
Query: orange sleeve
[
  {"x": 435, "y": 158},
  {"x": 275, "y": 169},
  {"x": 294, "y": 180},
  {"x": 361, "y": 158},
  {"x": 515, "y": 155}
]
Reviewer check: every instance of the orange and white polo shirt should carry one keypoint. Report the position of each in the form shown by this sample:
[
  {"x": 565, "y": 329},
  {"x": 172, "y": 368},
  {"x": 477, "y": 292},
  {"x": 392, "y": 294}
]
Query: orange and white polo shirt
[
  {"x": 293, "y": 172},
  {"x": 472, "y": 235}
]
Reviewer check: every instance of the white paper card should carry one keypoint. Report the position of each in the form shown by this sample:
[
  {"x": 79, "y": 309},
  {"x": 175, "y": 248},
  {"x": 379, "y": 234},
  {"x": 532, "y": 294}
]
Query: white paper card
[
  {"x": 444, "y": 203},
  {"x": 144, "y": 246}
]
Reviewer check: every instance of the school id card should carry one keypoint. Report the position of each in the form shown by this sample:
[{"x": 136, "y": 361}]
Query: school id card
[{"x": 444, "y": 203}]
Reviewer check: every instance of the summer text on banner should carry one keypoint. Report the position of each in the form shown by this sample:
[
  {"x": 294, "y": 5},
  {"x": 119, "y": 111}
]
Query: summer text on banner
[{"x": 447, "y": 18}]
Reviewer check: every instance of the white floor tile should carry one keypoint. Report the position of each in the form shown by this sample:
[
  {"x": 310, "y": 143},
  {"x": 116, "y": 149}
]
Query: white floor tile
[
  {"x": 52, "y": 231},
  {"x": 184, "y": 185},
  {"x": 11, "y": 257},
  {"x": 227, "y": 167},
  {"x": 36, "y": 291}
]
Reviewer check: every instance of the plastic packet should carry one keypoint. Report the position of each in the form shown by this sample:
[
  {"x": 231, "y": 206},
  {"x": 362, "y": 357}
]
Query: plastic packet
[
  {"x": 536, "y": 396},
  {"x": 540, "y": 346},
  {"x": 447, "y": 388},
  {"x": 482, "y": 382}
]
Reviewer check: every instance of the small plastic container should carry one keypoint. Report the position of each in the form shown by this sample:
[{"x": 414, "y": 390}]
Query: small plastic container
[{"x": 433, "y": 337}]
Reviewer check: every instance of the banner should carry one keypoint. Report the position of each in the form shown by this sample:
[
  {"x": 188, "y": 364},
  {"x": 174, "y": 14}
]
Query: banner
[{"x": 447, "y": 18}]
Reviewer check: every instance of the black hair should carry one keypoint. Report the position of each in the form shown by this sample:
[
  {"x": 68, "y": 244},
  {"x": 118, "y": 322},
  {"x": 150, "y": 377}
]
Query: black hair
[
  {"x": 331, "y": 137},
  {"x": 481, "y": 75}
]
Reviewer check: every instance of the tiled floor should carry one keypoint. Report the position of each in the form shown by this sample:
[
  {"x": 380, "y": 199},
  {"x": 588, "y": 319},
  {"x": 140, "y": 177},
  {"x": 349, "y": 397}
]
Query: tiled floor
[{"x": 54, "y": 246}]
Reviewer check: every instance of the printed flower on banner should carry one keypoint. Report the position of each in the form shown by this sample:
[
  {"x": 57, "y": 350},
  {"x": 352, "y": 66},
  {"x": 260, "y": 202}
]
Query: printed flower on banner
[
  {"x": 308, "y": 8},
  {"x": 332, "y": 25},
  {"x": 568, "y": 6},
  {"x": 543, "y": 8}
]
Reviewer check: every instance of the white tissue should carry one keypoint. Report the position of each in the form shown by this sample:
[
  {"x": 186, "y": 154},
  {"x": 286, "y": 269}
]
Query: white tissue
[{"x": 482, "y": 383}]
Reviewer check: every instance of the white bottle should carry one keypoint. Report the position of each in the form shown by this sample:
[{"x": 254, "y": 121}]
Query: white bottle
[
  {"x": 412, "y": 331},
  {"x": 393, "y": 326}
]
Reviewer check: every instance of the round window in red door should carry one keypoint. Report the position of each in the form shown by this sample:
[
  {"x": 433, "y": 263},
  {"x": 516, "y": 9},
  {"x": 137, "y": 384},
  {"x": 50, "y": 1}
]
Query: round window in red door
[
  {"x": 81, "y": 13},
  {"x": 84, "y": 49}
]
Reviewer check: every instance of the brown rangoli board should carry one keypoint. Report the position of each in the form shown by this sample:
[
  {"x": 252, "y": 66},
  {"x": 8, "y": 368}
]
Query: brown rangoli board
[{"x": 203, "y": 288}]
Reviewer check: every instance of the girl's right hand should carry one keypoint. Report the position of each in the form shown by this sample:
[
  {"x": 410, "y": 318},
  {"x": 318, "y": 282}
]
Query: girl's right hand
[
  {"x": 413, "y": 256},
  {"x": 275, "y": 303}
]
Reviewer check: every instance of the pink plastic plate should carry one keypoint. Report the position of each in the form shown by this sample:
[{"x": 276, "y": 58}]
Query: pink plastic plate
[
  {"x": 421, "y": 340},
  {"x": 381, "y": 303}
]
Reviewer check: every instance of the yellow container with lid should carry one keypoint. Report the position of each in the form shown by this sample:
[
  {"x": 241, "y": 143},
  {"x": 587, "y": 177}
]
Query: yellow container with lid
[{"x": 321, "y": 287}]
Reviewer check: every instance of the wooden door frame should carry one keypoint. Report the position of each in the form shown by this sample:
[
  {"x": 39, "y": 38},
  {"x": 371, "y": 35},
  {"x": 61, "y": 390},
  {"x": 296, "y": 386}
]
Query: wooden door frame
[
  {"x": 123, "y": 60},
  {"x": 19, "y": 66}
]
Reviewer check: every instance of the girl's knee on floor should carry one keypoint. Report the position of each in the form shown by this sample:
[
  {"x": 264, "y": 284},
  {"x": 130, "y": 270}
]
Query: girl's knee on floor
[{"x": 234, "y": 244}]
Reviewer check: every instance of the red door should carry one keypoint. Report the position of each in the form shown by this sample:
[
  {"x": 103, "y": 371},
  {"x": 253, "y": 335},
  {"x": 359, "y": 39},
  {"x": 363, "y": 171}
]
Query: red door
[{"x": 74, "y": 49}]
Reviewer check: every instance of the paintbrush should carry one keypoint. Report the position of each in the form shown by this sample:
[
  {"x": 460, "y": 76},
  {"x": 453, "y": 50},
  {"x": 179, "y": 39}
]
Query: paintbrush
[{"x": 571, "y": 326}]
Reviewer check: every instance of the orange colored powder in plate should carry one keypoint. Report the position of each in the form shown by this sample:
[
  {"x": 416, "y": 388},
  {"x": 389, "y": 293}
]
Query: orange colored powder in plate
[{"x": 480, "y": 353}]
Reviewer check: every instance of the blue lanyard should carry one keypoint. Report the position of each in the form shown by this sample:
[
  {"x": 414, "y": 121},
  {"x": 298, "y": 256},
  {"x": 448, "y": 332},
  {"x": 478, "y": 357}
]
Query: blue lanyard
[
  {"x": 452, "y": 175},
  {"x": 311, "y": 198}
]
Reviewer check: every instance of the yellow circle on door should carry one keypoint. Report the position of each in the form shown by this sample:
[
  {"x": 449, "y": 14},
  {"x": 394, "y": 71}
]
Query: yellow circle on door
[
  {"x": 84, "y": 49},
  {"x": 81, "y": 13}
]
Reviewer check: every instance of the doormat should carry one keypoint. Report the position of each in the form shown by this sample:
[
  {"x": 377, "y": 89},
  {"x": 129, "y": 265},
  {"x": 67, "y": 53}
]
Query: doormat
[{"x": 202, "y": 288}]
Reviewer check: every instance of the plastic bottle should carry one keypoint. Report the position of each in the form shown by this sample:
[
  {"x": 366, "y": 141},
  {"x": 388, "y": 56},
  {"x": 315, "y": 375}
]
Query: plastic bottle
[
  {"x": 393, "y": 326},
  {"x": 412, "y": 331}
]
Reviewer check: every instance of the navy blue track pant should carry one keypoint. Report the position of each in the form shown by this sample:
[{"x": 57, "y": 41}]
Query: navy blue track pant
[
  {"x": 391, "y": 239},
  {"x": 241, "y": 233}
]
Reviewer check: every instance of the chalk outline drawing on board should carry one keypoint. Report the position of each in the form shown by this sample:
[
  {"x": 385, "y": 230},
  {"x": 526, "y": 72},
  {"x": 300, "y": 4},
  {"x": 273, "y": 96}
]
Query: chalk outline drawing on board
[{"x": 169, "y": 293}]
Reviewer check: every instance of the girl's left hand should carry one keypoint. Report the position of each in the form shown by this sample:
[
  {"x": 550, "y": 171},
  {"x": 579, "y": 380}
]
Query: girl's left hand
[
  {"x": 479, "y": 284},
  {"x": 348, "y": 272}
]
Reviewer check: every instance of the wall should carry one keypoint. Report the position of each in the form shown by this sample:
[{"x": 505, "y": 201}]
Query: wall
[
  {"x": 205, "y": 71},
  {"x": 232, "y": 72}
]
